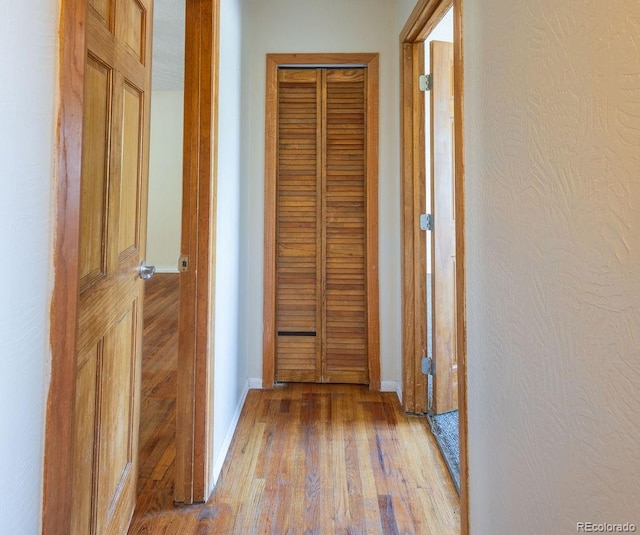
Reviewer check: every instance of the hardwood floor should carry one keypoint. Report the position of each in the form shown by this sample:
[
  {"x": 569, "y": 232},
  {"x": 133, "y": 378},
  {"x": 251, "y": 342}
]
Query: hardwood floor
[
  {"x": 306, "y": 458},
  {"x": 157, "y": 417}
]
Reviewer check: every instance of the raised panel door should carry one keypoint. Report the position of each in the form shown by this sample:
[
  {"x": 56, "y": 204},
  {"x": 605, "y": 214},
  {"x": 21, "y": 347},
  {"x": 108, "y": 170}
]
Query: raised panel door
[{"x": 112, "y": 238}]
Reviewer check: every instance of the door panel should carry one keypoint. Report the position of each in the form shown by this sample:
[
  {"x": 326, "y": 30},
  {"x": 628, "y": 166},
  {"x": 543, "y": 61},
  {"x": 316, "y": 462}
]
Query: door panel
[
  {"x": 297, "y": 238},
  {"x": 103, "y": 9},
  {"x": 129, "y": 216},
  {"x": 131, "y": 25},
  {"x": 84, "y": 441},
  {"x": 345, "y": 355},
  {"x": 94, "y": 186},
  {"x": 117, "y": 433},
  {"x": 443, "y": 243},
  {"x": 113, "y": 213}
]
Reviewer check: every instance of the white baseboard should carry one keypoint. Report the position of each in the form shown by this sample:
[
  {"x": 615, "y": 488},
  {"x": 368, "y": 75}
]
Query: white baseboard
[
  {"x": 392, "y": 386},
  {"x": 222, "y": 455},
  {"x": 255, "y": 383},
  {"x": 167, "y": 269}
]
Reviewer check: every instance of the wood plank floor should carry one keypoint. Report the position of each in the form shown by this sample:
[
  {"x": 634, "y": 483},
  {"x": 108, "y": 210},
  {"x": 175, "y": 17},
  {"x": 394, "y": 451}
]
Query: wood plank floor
[
  {"x": 317, "y": 459},
  {"x": 157, "y": 412}
]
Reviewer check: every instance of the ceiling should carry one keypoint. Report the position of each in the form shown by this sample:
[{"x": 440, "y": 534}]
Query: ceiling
[{"x": 168, "y": 45}]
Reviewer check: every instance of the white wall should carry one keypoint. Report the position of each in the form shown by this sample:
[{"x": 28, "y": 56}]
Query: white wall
[
  {"x": 403, "y": 10},
  {"x": 552, "y": 112},
  {"x": 26, "y": 141},
  {"x": 165, "y": 180},
  {"x": 230, "y": 367},
  {"x": 327, "y": 26}
]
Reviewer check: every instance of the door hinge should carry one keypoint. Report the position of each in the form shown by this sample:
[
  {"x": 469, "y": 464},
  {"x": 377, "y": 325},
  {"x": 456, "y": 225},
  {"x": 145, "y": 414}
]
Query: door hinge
[
  {"x": 426, "y": 222},
  {"x": 425, "y": 82},
  {"x": 183, "y": 264},
  {"x": 428, "y": 366}
]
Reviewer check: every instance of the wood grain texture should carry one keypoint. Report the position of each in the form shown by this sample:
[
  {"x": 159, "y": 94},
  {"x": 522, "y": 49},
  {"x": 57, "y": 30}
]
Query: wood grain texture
[
  {"x": 198, "y": 245},
  {"x": 414, "y": 269},
  {"x": 113, "y": 184},
  {"x": 320, "y": 459},
  {"x": 298, "y": 221},
  {"x": 270, "y": 170},
  {"x": 443, "y": 253},
  {"x": 408, "y": 227},
  {"x": 58, "y": 450},
  {"x": 157, "y": 456},
  {"x": 423, "y": 19},
  {"x": 344, "y": 227},
  {"x": 460, "y": 214},
  {"x": 290, "y": 154},
  {"x": 372, "y": 216}
]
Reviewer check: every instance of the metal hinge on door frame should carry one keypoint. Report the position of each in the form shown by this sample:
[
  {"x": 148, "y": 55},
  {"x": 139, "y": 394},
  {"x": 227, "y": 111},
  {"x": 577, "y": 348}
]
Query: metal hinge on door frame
[
  {"x": 425, "y": 82},
  {"x": 426, "y": 222}
]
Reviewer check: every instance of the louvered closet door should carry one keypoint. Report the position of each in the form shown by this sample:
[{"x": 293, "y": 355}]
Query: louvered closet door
[
  {"x": 345, "y": 307},
  {"x": 320, "y": 230},
  {"x": 297, "y": 228}
]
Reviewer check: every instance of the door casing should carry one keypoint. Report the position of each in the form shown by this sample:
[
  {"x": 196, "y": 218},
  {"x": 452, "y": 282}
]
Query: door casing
[
  {"x": 56, "y": 508},
  {"x": 194, "y": 404},
  {"x": 423, "y": 19}
]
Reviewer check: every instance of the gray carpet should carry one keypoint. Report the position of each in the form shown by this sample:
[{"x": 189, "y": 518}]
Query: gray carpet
[{"x": 445, "y": 429}]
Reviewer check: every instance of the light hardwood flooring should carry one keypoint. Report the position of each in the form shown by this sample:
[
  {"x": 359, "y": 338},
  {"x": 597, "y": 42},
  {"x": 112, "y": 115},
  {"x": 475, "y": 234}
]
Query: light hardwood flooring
[{"x": 305, "y": 458}]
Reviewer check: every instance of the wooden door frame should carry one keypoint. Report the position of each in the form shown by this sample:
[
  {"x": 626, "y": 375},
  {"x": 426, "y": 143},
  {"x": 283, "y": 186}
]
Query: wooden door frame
[
  {"x": 371, "y": 62},
  {"x": 194, "y": 404},
  {"x": 56, "y": 506},
  {"x": 423, "y": 19}
]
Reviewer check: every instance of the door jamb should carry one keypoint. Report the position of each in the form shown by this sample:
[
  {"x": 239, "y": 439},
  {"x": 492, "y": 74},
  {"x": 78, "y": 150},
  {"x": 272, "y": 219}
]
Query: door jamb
[
  {"x": 371, "y": 62},
  {"x": 56, "y": 506},
  {"x": 423, "y": 19},
  {"x": 194, "y": 404}
]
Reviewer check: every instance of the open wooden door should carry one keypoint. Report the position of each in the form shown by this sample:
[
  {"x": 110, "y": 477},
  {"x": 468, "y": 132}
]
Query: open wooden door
[
  {"x": 443, "y": 243},
  {"x": 113, "y": 206}
]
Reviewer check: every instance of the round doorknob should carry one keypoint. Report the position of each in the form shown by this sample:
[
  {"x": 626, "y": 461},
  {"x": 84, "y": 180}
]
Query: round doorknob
[{"x": 146, "y": 272}]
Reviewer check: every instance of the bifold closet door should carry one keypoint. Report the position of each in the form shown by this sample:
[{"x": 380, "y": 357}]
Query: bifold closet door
[
  {"x": 298, "y": 237},
  {"x": 321, "y": 306},
  {"x": 344, "y": 358}
]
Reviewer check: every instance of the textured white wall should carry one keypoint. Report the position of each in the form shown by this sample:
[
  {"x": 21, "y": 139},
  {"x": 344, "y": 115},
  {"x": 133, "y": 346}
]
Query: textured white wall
[
  {"x": 26, "y": 141},
  {"x": 165, "y": 180},
  {"x": 552, "y": 111},
  {"x": 327, "y": 26},
  {"x": 230, "y": 363}
]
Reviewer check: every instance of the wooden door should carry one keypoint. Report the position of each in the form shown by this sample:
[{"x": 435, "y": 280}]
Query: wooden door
[
  {"x": 112, "y": 245},
  {"x": 298, "y": 223},
  {"x": 443, "y": 243},
  {"x": 321, "y": 298},
  {"x": 344, "y": 227}
]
